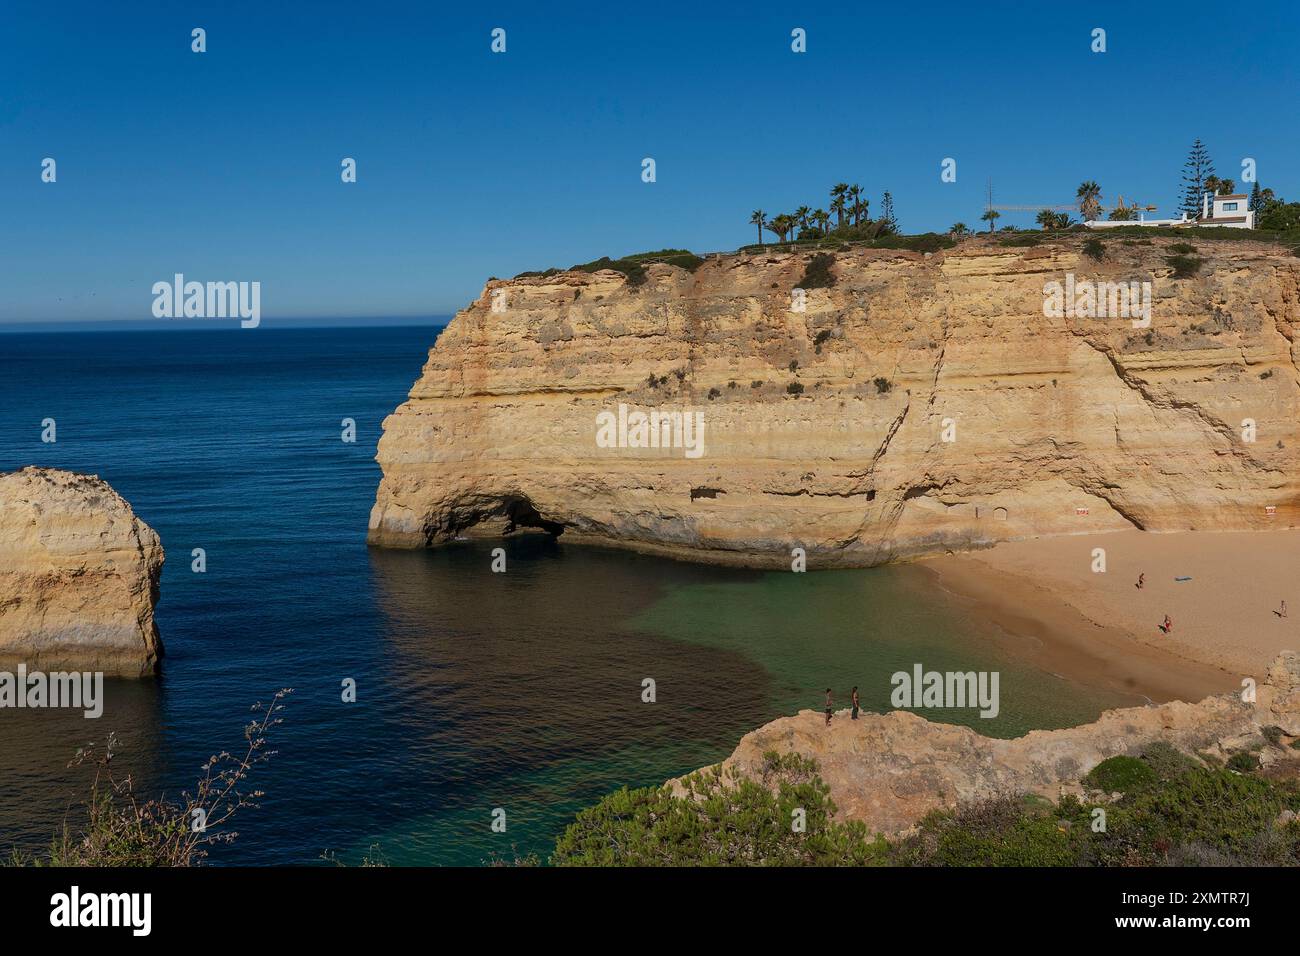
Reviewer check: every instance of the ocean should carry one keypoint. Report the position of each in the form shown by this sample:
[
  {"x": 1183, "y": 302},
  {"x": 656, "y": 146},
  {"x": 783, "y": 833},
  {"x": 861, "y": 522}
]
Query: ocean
[{"x": 475, "y": 692}]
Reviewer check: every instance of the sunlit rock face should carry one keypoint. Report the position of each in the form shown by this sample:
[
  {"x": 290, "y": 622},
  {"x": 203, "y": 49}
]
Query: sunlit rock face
[
  {"x": 890, "y": 770},
  {"x": 921, "y": 403},
  {"x": 79, "y": 576}
]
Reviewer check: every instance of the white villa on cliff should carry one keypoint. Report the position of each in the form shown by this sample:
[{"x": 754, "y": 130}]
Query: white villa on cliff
[{"x": 1230, "y": 212}]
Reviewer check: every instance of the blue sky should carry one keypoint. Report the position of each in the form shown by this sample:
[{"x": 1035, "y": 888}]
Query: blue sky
[{"x": 225, "y": 165}]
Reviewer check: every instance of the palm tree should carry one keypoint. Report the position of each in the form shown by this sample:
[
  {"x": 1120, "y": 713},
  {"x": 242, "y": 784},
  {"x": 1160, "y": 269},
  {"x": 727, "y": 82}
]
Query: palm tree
[
  {"x": 855, "y": 204},
  {"x": 801, "y": 214},
  {"x": 781, "y": 225},
  {"x": 1227, "y": 187},
  {"x": 990, "y": 215},
  {"x": 838, "y": 193},
  {"x": 823, "y": 220},
  {"x": 1089, "y": 196},
  {"x": 1046, "y": 219},
  {"x": 958, "y": 229},
  {"x": 759, "y": 218}
]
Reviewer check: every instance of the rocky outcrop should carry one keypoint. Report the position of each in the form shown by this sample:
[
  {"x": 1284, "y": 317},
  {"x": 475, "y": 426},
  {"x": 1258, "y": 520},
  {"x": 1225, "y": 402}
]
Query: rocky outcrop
[
  {"x": 890, "y": 770},
  {"x": 79, "y": 576},
  {"x": 827, "y": 429}
]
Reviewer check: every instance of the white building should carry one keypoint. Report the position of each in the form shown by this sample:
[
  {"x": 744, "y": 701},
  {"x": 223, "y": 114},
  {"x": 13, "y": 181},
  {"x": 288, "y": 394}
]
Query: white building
[{"x": 1229, "y": 212}]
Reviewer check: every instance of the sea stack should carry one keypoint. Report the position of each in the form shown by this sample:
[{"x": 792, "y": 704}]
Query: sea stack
[
  {"x": 79, "y": 576},
  {"x": 865, "y": 405}
]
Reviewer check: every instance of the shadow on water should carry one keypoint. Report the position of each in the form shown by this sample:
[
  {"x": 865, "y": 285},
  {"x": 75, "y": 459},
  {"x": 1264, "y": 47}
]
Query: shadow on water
[
  {"x": 40, "y": 788},
  {"x": 523, "y": 689}
]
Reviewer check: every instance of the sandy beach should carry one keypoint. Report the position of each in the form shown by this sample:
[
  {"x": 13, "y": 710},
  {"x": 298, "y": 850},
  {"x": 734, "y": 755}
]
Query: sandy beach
[{"x": 1101, "y": 627}]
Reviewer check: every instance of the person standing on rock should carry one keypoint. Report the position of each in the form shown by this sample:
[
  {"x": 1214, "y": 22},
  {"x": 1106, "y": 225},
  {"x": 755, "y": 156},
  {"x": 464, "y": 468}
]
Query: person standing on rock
[
  {"x": 855, "y": 703},
  {"x": 829, "y": 705}
]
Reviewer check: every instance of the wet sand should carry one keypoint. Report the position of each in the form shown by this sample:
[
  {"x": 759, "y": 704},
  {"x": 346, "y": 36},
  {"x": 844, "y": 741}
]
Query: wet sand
[{"x": 1100, "y": 629}]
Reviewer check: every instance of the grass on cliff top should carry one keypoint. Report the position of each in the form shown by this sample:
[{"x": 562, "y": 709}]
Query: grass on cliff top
[
  {"x": 846, "y": 238},
  {"x": 925, "y": 242},
  {"x": 1172, "y": 810},
  {"x": 632, "y": 266}
]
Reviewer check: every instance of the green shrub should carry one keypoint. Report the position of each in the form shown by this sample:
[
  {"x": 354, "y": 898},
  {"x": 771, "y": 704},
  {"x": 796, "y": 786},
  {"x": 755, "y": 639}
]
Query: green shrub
[
  {"x": 1094, "y": 249},
  {"x": 1024, "y": 239},
  {"x": 882, "y": 384},
  {"x": 722, "y": 821},
  {"x": 1120, "y": 774},
  {"x": 1185, "y": 267},
  {"x": 926, "y": 242},
  {"x": 1244, "y": 761},
  {"x": 999, "y": 831},
  {"x": 817, "y": 274},
  {"x": 682, "y": 258},
  {"x": 1166, "y": 761},
  {"x": 795, "y": 388},
  {"x": 1182, "y": 249}
]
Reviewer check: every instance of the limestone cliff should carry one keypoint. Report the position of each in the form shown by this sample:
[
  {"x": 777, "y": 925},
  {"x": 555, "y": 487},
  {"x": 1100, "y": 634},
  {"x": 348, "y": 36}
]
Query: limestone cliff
[
  {"x": 826, "y": 428},
  {"x": 78, "y": 576},
  {"x": 890, "y": 770}
]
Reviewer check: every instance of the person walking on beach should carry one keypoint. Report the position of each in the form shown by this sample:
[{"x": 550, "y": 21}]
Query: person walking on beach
[
  {"x": 855, "y": 703},
  {"x": 829, "y": 704},
  {"x": 1282, "y": 612},
  {"x": 1142, "y": 580},
  {"x": 1168, "y": 625}
]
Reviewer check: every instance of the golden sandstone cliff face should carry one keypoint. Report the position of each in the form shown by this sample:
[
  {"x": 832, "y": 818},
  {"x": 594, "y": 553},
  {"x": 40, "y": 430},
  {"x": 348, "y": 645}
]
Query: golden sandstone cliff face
[
  {"x": 1140, "y": 426},
  {"x": 79, "y": 576}
]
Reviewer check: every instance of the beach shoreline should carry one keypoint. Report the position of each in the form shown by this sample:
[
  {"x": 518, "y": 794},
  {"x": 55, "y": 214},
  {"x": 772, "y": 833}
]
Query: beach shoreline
[{"x": 1221, "y": 589}]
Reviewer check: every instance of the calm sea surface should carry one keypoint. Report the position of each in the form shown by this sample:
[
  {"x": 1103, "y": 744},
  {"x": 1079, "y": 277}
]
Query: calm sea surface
[{"x": 475, "y": 690}]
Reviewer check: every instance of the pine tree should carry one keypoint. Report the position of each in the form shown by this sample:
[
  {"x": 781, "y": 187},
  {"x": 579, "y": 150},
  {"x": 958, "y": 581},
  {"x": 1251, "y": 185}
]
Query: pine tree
[
  {"x": 887, "y": 212},
  {"x": 1255, "y": 199},
  {"x": 1198, "y": 168}
]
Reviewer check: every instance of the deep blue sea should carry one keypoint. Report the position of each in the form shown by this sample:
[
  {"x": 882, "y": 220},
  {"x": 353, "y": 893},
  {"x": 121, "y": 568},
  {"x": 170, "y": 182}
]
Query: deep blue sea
[{"x": 475, "y": 691}]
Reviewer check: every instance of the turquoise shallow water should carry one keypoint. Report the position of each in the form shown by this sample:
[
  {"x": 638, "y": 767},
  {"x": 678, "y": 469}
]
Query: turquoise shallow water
[{"x": 476, "y": 690}]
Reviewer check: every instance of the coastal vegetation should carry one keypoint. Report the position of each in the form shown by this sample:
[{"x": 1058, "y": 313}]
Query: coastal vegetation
[
  {"x": 632, "y": 266},
  {"x": 1158, "y": 808},
  {"x": 116, "y": 826},
  {"x": 783, "y": 819},
  {"x": 848, "y": 224},
  {"x": 850, "y": 213}
]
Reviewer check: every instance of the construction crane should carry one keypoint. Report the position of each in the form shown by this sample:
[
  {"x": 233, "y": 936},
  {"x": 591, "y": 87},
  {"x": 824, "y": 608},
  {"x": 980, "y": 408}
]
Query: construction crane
[
  {"x": 1076, "y": 206},
  {"x": 1021, "y": 207},
  {"x": 1134, "y": 205},
  {"x": 1067, "y": 207}
]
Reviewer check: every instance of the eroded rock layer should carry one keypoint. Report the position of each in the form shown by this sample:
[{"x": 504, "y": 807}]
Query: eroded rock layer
[
  {"x": 890, "y": 770},
  {"x": 825, "y": 429},
  {"x": 79, "y": 576}
]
